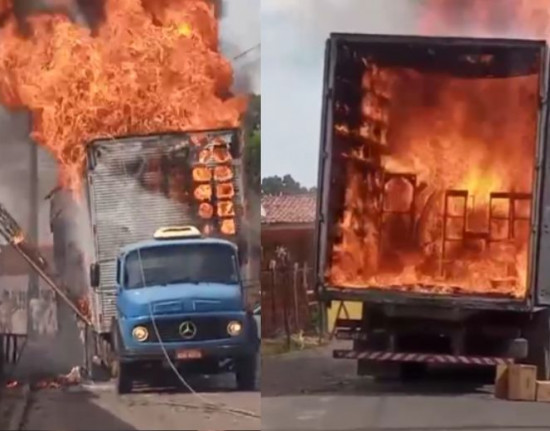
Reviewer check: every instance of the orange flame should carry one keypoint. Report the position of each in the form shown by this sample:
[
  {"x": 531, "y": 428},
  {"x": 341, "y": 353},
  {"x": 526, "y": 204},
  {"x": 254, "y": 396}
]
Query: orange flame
[
  {"x": 226, "y": 208},
  {"x": 223, "y": 173},
  {"x": 153, "y": 67},
  {"x": 225, "y": 191},
  {"x": 228, "y": 227},
  {"x": 202, "y": 174},
  {"x": 203, "y": 192},
  {"x": 514, "y": 18},
  {"x": 206, "y": 210},
  {"x": 454, "y": 147}
]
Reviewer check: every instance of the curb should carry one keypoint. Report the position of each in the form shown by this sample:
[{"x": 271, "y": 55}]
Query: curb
[{"x": 19, "y": 410}]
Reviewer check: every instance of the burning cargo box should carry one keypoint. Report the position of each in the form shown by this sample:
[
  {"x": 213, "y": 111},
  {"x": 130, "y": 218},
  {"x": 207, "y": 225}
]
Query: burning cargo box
[
  {"x": 429, "y": 172},
  {"x": 139, "y": 184}
]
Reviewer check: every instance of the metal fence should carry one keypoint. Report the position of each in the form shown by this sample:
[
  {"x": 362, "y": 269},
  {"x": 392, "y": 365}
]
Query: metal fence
[
  {"x": 288, "y": 302},
  {"x": 11, "y": 347}
]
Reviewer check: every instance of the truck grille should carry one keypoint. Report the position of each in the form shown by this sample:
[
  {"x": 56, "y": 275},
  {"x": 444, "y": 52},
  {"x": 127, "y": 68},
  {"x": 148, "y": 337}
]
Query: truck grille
[{"x": 208, "y": 328}]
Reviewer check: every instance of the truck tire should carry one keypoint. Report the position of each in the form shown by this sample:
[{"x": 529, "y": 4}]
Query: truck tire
[
  {"x": 538, "y": 336},
  {"x": 245, "y": 372},
  {"x": 375, "y": 369},
  {"x": 124, "y": 379},
  {"x": 412, "y": 371},
  {"x": 119, "y": 370}
]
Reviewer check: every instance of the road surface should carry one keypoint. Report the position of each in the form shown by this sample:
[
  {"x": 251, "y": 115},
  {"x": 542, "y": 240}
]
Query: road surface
[
  {"x": 98, "y": 407},
  {"x": 310, "y": 391}
]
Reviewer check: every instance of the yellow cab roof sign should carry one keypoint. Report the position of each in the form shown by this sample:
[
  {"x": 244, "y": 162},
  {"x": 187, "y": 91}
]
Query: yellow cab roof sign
[{"x": 174, "y": 232}]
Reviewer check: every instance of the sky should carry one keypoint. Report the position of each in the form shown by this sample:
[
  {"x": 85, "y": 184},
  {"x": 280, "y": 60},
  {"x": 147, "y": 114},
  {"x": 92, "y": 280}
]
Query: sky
[
  {"x": 239, "y": 32},
  {"x": 293, "y": 37}
]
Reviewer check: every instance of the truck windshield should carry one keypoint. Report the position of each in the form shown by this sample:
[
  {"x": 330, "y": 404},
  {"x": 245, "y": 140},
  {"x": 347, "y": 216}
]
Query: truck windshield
[{"x": 172, "y": 264}]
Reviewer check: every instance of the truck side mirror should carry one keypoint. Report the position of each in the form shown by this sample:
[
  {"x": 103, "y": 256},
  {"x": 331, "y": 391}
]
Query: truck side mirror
[{"x": 94, "y": 275}]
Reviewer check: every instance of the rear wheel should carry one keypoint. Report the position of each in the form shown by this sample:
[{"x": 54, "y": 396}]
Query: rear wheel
[
  {"x": 245, "y": 372},
  {"x": 413, "y": 370},
  {"x": 538, "y": 336},
  {"x": 378, "y": 370},
  {"x": 123, "y": 378}
]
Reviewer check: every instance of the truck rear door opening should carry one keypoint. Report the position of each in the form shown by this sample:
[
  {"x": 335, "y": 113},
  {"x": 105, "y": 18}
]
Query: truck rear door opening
[
  {"x": 431, "y": 148},
  {"x": 434, "y": 199}
]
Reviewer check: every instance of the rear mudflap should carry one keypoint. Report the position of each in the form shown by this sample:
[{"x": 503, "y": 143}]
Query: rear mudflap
[{"x": 430, "y": 358}]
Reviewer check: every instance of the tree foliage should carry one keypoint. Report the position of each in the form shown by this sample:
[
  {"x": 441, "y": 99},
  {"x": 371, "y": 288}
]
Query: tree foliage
[
  {"x": 253, "y": 143},
  {"x": 285, "y": 185}
]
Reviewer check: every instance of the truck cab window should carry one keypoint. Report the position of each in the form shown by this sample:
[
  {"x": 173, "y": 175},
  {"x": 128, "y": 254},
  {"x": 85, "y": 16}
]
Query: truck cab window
[{"x": 180, "y": 263}]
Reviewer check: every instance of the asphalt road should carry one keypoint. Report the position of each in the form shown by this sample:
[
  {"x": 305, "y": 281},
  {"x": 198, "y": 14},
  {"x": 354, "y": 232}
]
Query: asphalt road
[
  {"x": 98, "y": 407},
  {"x": 309, "y": 390}
]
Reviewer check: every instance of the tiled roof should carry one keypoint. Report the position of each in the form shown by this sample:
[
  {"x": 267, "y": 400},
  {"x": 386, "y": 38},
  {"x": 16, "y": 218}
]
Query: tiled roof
[{"x": 289, "y": 208}]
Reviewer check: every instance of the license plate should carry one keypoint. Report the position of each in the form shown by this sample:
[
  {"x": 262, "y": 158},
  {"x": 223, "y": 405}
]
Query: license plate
[{"x": 188, "y": 354}]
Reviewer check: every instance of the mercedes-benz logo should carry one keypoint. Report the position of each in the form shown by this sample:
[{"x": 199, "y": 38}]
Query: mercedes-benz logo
[{"x": 188, "y": 330}]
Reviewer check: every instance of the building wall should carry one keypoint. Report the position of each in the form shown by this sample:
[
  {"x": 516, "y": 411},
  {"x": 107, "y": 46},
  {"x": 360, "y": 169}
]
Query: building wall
[{"x": 15, "y": 195}]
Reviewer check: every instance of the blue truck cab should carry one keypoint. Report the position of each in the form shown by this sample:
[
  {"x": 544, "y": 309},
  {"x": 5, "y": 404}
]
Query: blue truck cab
[{"x": 180, "y": 304}]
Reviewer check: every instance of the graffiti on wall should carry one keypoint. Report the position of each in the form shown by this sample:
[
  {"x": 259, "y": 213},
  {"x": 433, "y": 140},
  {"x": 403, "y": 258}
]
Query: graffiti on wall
[
  {"x": 14, "y": 304},
  {"x": 43, "y": 311}
]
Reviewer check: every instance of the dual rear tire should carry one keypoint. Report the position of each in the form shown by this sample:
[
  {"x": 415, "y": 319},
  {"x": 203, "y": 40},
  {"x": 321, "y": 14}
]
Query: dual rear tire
[{"x": 538, "y": 337}]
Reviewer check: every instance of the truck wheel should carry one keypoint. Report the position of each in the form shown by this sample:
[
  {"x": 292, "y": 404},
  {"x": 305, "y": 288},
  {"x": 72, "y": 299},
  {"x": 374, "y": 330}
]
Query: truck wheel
[
  {"x": 538, "y": 336},
  {"x": 376, "y": 369},
  {"x": 413, "y": 371},
  {"x": 245, "y": 372},
  {"x": 119, "y": 370},
  {"x": 122, "y": 373}
]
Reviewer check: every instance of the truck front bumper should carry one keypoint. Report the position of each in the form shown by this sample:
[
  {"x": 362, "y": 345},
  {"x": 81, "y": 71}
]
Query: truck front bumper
[{"x": 208, "y": 352}]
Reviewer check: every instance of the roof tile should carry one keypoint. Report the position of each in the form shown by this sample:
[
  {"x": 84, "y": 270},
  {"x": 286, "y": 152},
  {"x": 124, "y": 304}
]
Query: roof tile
[{"x": 289, "y": 208}]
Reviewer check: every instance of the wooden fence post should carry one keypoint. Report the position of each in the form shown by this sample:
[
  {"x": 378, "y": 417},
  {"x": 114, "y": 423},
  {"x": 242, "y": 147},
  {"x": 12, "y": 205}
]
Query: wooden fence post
[
  {"x": 305, "y": 294},
  {"x": 273, "y": 269},
  {"x": 295, "y": 273},
  {"x": 285, "y": 290}
]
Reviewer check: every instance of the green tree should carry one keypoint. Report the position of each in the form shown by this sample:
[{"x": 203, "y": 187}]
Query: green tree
[
  {"x": 253, "y": 161},
  {"x": 285, "y": 185},
  {"x": 252, "y": 127}
]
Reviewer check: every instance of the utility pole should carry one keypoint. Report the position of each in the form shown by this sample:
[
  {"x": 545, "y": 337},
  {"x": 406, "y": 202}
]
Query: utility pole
[{"x": 33, "y": 222}]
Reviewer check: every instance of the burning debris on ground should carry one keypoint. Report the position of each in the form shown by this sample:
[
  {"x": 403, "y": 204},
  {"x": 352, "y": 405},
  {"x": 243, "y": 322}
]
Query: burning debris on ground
[
  {"x": 73, "y": 378},
  {"x": 439, "y": 150}
]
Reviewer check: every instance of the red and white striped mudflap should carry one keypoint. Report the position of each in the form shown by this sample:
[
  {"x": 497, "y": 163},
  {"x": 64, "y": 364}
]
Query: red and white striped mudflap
[{"x": 421, "y": 357}]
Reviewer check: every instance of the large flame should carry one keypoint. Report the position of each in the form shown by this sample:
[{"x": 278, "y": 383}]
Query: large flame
[
  {"x": 449, "y": 158},
  {"x": 514, "y": 18},
  {"x": 153, "y": 67}
]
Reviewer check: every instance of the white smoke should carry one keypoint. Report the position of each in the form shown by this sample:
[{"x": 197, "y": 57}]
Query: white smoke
[
  {"x": 316, "y": 19},
  {"x": 239, "y": 41}
]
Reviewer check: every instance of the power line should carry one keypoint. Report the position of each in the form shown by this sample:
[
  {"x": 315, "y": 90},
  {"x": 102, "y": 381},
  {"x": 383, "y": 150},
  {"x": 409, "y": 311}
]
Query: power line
[{"x": 249, "y": 50}]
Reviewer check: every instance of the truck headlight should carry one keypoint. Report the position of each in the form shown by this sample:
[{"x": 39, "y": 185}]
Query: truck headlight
[
  {"x": 140, "y": 333},
  {"x": 234, "y": 328}
]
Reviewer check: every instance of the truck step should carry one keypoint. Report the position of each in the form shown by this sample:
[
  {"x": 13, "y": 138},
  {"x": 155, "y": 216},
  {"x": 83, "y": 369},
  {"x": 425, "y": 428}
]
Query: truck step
[{"x": 431, "y": 358}]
